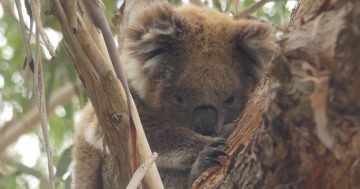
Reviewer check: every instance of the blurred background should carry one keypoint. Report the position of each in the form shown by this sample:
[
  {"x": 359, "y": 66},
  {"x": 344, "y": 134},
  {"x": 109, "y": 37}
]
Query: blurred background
[{"x": 23, "y": 162}]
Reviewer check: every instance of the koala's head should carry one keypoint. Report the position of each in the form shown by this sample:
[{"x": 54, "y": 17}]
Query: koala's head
[{"x": 195, "y": 65}]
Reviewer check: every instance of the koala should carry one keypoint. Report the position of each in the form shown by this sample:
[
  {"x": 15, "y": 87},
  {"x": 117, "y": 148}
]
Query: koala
[{"x": 191, "y": 70}]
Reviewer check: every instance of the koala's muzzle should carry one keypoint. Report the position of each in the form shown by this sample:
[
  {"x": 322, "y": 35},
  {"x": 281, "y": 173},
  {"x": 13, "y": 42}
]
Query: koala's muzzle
[{"x": 205, "y": 119}]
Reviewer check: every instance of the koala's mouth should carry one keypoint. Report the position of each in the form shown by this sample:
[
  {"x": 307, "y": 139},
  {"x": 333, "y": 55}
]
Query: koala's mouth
[
  {"x": 204, "y": 131},
  {"x": 221, "y": 129}
]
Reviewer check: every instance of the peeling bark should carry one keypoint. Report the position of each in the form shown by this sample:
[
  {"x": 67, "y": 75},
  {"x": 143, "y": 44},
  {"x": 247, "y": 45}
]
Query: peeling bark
[{"x": 309, "y": 136}]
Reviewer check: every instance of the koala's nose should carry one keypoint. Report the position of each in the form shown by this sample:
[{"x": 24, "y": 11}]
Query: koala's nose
[{"x": 205, "y": 119}]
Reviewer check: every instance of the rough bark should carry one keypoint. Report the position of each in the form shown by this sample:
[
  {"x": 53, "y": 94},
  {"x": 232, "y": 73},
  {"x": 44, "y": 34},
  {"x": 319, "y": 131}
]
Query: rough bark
[{"x": 309, "y": 136}]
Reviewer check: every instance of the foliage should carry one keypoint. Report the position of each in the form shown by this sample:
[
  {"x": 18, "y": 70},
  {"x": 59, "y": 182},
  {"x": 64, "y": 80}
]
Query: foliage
[{"x": 16, "y": 98}]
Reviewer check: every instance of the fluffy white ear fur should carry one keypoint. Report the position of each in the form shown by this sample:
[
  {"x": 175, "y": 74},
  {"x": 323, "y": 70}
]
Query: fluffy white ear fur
[
  {"x": 143, "y": 55},
  {"x": 136, "y": 77},
  {"x": 148, "y": 39}
]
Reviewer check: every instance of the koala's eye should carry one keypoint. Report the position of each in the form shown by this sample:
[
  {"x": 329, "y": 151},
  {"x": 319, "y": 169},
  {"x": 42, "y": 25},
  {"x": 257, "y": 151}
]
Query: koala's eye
[
  {"x": 155, "y": 53},
  {"x": 179, "y": 99},
  {"x": 230, "y": 101}
]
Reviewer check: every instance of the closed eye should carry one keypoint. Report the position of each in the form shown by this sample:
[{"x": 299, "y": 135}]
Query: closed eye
[{"x": 155, "y": 53}]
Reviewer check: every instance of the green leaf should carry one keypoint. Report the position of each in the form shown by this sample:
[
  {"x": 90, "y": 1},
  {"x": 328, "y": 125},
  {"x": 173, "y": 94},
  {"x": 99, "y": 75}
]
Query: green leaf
[
  {"x": 64, "y": 162},
  {"x": 217, "y": 5},
  {"x": 28, "y": 170},
  {"x": 8, "y": 181},
  {"x": 175, "y": 2}
]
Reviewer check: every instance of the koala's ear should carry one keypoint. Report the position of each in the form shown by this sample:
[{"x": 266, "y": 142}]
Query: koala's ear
[
  {"x": 153, "y": 34},
  {"x": 255, "y": 43}
]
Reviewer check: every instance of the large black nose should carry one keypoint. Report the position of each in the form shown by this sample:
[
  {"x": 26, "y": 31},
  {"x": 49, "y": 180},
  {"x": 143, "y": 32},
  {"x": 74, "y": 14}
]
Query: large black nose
[{"x": 204, "y": 119}]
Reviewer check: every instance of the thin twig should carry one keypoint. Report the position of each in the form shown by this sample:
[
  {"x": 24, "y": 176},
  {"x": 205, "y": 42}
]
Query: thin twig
[
  {"x": 40, "y": 93},
  {"x": 23, "y": 31},
  {"x": 39, "y": 83},
  {"x": 252, "y": 8},
  {"x": 44, "y": 37},
  {"x": 141, "y": 171}
]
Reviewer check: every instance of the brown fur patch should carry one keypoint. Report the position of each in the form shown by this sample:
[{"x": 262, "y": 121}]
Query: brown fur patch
[
  {"x": 177, "y": 60},
  {"x": 199, "y": 54}
]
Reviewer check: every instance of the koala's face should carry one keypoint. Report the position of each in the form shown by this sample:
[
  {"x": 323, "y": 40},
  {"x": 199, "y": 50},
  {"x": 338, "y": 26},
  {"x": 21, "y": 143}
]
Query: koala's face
[{"x": 194, "y": 65}]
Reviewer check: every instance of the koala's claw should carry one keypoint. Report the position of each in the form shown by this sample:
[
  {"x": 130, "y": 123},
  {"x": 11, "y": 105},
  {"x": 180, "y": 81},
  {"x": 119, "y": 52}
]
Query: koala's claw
[
  {"x": 219, "y": 142},
  {"x": 211, "y": 161},
  {"x": 208, "y": 157},
  {"x": 214, "y": 153}
]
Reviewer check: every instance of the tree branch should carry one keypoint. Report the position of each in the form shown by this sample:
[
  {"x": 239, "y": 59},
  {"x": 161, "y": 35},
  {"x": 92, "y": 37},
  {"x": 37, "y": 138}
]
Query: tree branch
[
  {"x": 10, "y": 133},
  {"x": 88, "y": 52},
  {"x": 99, "y": 19},
  {"x": 105, "y": 92},
  {"x": 141, "y": 171},
  {"x": 309, "y": 132},
  {"x": 23, "y": 31},
  {"x": 247, "y": 125},
  {"x": 40, "y": 93}
]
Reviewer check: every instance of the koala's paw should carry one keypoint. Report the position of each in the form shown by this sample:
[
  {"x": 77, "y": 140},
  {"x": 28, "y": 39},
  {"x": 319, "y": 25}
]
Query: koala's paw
[{"x": 208, "y": 157}]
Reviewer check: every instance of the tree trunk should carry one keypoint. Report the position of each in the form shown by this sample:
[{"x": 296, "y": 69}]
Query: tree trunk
[{"x": 309, "y": 134}]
